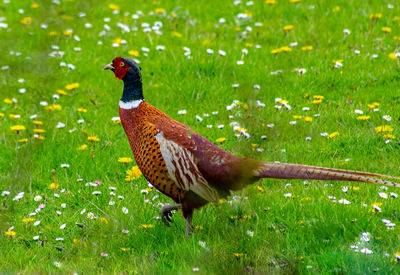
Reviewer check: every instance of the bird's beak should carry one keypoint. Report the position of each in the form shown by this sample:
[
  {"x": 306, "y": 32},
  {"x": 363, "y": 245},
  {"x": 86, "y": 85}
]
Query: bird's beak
[{"x": 109, "y": 67}]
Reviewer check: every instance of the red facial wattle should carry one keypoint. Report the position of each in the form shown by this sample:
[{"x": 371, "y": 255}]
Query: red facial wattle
[{"x": 121, "y": 67}]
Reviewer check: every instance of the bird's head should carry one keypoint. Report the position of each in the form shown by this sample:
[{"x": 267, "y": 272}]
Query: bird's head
[
  {"x": 125, "y": 67},
  {"x": 127, "y": 70}
]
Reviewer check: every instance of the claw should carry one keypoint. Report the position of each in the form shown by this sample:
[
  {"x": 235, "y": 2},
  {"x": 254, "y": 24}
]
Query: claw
[{"x": 166, "y": 214}]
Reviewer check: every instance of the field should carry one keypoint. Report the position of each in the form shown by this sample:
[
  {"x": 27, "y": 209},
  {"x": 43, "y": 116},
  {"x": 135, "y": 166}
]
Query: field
[{"x": 311, "y": 82}]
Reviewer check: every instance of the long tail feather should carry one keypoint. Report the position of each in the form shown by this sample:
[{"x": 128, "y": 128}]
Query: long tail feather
[{"x": 295, "y": 171}]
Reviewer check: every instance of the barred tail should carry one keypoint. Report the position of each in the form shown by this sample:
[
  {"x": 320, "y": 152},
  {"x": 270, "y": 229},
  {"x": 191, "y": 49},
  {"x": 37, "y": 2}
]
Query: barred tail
[{"x": 295, "y": 171}]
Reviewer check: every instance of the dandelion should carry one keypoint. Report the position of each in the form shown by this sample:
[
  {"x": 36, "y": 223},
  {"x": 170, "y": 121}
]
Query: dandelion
[
  {"x": 159, "y": 10},
  {"x": 133, "y": 53},
  {"x": 18, "y": 128},
  {"x": 375, "y": 15},
  {"x": 220, "y": 140},
  {"x": 384, "y": 128},
  {"x": 82, "y": 110},
  {"x": 10, "y": 233},
  {"x": 176, "y": 34},
  {"x": 308, "y": 119},
  {"x": 389, "y": 136},
  {"x": 125, "y": 160},
  {"x": 146, "y": 226},
  {"x": 82, "y": 147},
  {"x": 72, "y": 86},
  {"x": 93, "y": 138},
  {"x": 332, "y": 135},
  {"x": 53, "y": 185},
  {"x": 133, "y": 173},
  {"x": 113, "y": 7},
  {"x": 288, "y": 28},
  {"x": 336, "y": 9},
  {"x": 238, "y": 255},
  {"x": 386, "y": 29},
  {"x": 26, "y": 20},
  {"x": 363, "y": 117}
]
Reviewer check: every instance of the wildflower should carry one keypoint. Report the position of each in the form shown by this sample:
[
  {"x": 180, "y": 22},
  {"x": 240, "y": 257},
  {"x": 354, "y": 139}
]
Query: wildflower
[
  {"x": 220, "y": 140},
  {"x": 146, "y": 226},
  {"x": 288, "y": 28},
  {"x": 270, "y": 2},
  {"x": 384, "y": 128},
  {"x": 133, "y": 53},
  {"x": 82, "y": 110},
  {"x": 53, "y": 185},
  {"x": 159, "y": 10},
  {"x": 82, "y": 147},
  {"x": 133, "y": 173},
  {"x": 27, "y": 220},
  {"x": 387, "y": 118},
  {"x": 386, "y": 29},
  {"x": 10, "y": 233},
  {"x": 332, "y": 135},
  {"x": 343, "y": 201},
  {"x": 93, "y": 138},
  {"x": 35, "y": 5},
  {"x": 72, "y": 86},
  {"x": 259, "y": 188},
  {"x": 124, "y": 249},
  {"x": 336, "y": 9},
  {"x": 61, "y": 92},
  {"x": 67, "y": 32},
  {"x": 38, "y": 131},
  {"x": 238, "y": 255},
  {"x": 308, "y": 119},
  {"x": 363, "y": 117},
  {"x": 18, "y": 128},
  {"x": 113, "y": 7},
  {"x": 389, "y": 136},
  {"x": 104, "y": 220},
  {"x": 176, "y": 34},
  {"x": 26, "y": 20},
  {"x": 125, "y": 160},
  {"x": 306, "y": 48},
  {"x": 103, "y": 254},
  {"x": 375, "y": 16}
]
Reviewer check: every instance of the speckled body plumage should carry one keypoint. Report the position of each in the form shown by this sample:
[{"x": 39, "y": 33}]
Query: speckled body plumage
[{"x": 187, "y": 167}]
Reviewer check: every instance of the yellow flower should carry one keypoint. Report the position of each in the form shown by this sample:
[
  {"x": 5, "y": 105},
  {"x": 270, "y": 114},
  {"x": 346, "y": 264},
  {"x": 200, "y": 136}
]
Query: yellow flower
[
  {"x": 117, "y": 40},
  {"x": 379, "y": 204},
  {"x": 83, "y": 110},
  {"x": 53, "y": 107},
  {"x": 61, "y": 92},
  {"x": 124, "y": 249},
  {"x": 389, "y": 136},
  {"x": 393, "y": 56},
  {"x": 206, "y": 42},
  {"x": 18, "y": 128},
  {"x": 93, "y": 138},
  {"x": 176, "y": 34},
  {"x": 53, "y": 185},
  {"x": 146, "y": 226},
  {"x": 220, "y": 140},
  {"x": 308, "y": 119},
  {"x": 356, "y": 188},
  {"x": 104, "y": 220},
  {"x": 297, "y": 117},
  {"x": 23, "y": 140},
  {"x": 67, "y": 32},
  {"x": 238, "y": 255},
  {"x": 336, "y": 9},
  {"x": 294, "y": 1},
  {"x": 113, "y": 7},
  {"x": 10, "y": 233},
  {"x": 1, "y": 114},
  {"x": 332, "y": 135},
  {"x": 133, "y": 53},
  {"x": 306, "y": 48},
  {"x": 12, "y": 116},
  {"x": 318, "y": 97},
  {"x": 72, "y": 86},
  {"x": 270, "y": 2},
  {"x": 363, "y": 117},
  {"x": 39, "y": 137},
  {"x": 396, "y": 37},
  {"x": 375, "y": 15},
  {"x": 26, "y": 220},
  {"x": 7, "y": 101},
  {"x": 82, "y": 147},
  {"x": 317, "y": 101},
  {"x": 373, "y": 105},
  {"x": 37, "y": 122},
  {"x": 75, "y": 241},
  {"x": 248, "y": 45},
  {"x": 384, "y": 128},
  {"x": 35, "y": 6},
  {"x": 386, "y": 29},
  {"x": 38, "y": 131},
  {"x": 125, "y": 160},
  {"x": 159, "y": 10},
  {"x": 337, "y": 60},
  {"x": 133, "y": 173},
  {"x": 26, "y": 20},
  {"x": 288, "y": 27},
  {"x": 259, "y": 188},
  {"x": 285, "y": 49}
]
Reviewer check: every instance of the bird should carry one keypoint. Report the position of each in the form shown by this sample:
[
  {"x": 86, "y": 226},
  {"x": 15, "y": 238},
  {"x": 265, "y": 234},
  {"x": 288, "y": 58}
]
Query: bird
[{"x": 190, "y": 169}]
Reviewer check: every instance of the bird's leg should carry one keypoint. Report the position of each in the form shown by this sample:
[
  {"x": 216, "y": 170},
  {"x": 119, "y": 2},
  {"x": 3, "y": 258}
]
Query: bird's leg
[
  {"x": 189, "y": 227},
  {"x": 165, "y": 212}
]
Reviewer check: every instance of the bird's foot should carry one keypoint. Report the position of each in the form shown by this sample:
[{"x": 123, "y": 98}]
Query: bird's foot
[{"x": 166, "y": 213}]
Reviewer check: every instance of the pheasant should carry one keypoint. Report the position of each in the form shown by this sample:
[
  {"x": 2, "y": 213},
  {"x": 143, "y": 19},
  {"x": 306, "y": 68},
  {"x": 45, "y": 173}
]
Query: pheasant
[{"x": 190, "y": 169}]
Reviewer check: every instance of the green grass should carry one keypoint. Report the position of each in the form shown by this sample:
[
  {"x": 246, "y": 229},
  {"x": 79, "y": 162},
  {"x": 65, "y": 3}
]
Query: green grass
[{"x": 305, "y": 233}]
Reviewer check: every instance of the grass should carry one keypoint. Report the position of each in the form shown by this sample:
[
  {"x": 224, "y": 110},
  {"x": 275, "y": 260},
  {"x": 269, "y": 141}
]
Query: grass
[{"x": 304, "y": 233}]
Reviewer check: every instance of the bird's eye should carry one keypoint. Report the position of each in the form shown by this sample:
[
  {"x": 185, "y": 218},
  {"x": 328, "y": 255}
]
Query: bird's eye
[{"x": 122, "y": 64}]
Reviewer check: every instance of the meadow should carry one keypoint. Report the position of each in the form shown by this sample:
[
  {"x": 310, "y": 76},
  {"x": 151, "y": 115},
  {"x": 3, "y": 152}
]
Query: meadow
[{"x": 304, "y": 81}]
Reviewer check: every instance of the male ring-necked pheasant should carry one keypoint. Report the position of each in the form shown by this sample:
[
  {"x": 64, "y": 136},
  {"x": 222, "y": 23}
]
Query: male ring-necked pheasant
[{"x": 187, "y": 167}]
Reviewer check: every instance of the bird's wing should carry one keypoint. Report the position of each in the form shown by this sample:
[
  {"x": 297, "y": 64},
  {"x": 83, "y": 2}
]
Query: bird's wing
[{"x": 182, "y": 168}]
